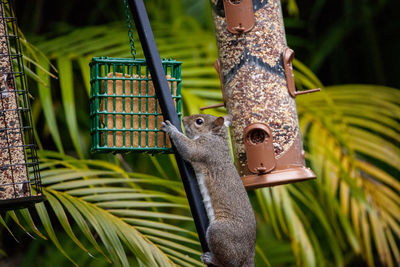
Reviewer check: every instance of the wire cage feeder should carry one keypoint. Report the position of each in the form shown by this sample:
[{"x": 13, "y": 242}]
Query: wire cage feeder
[
  {"x": 20, "y": 184},
  {"x": 125, "y": 115},
  {"x": 124, "y": 111}
]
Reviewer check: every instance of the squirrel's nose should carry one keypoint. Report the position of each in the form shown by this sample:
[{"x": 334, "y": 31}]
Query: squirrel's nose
[{"x": 184, "y": 119}]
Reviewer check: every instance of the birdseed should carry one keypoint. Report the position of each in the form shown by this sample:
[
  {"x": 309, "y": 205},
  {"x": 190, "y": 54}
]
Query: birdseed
[
  {"x": 254, "y": 79},
  {"x": 14, "y": 181}
]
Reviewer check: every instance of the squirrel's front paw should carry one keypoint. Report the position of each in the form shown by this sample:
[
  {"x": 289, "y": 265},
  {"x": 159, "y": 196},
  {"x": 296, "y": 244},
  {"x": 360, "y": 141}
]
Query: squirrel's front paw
[{"x": 168, "y": 127}]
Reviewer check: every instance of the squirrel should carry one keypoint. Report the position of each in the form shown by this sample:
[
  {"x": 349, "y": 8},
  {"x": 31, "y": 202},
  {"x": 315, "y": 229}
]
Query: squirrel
[{"x": 231, "y": 233}]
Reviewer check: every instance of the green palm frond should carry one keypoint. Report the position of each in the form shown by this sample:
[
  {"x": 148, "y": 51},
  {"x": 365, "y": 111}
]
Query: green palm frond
[
  {"x": 116, "y": 218},
  {"x": 352, "y": 136}
]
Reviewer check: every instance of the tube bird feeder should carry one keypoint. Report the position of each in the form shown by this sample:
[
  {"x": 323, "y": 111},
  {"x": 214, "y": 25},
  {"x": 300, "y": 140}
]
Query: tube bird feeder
[
  {"x": 20, "y": 184},
  {"x": 255, "y": 67}
]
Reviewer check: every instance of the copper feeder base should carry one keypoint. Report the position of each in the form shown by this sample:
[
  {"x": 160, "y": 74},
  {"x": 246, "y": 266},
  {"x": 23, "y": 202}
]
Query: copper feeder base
[{"x": 278, "y": 177}]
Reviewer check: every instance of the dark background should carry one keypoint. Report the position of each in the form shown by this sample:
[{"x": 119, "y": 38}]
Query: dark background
[{"x": 343, "y": 41}]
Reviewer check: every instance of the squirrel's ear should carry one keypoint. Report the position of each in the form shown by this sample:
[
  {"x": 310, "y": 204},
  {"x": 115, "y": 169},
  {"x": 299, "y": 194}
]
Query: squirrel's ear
[
  {"x": 217, "y": 124},
  {"x": 228, "y": 120}
]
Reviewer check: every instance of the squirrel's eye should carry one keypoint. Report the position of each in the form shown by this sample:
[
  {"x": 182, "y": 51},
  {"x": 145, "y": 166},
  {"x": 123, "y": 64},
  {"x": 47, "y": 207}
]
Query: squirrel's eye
[{"x": 199, "y": 121}]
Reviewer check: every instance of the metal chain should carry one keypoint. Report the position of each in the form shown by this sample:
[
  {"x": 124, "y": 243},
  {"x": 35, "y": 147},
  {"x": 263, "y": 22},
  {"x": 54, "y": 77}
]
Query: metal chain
[{"x": 130, "y": 32}]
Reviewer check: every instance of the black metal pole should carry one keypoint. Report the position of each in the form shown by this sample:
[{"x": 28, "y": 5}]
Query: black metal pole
[{"x": 168, "y": 110}]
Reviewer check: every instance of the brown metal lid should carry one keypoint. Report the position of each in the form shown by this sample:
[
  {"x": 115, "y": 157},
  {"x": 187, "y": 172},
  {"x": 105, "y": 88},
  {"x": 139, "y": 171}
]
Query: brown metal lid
[{"x": 240, "y": 16}]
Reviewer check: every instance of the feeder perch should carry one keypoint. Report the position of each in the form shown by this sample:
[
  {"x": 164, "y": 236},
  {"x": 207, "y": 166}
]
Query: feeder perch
[
  {"x": 20, "y": 184},
  {"x": 255, "y": 68}
]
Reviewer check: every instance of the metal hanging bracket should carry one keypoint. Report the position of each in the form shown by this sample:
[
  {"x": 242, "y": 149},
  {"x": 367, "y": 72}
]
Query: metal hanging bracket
[
  {"x": 288, "y": 55},
  {"x": 259, "y": 148},
  {"x": 239, "y": 16},
  {"x": 169, "y": 112}
]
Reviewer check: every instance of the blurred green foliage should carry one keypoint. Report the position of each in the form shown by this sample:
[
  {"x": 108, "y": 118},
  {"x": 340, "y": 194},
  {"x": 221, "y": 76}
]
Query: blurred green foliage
[{"x": 132, "y": 209}]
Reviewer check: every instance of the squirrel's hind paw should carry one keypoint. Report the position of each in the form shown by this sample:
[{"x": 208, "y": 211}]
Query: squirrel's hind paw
[{"x": 207, "y": 258}]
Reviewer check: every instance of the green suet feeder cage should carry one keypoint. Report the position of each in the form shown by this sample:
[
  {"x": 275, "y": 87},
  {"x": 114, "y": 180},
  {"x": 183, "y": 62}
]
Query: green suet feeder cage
[{"x": 124, "y": 112}]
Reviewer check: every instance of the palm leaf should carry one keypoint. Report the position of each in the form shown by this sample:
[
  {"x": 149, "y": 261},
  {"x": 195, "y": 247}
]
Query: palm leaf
[
  {"x": 121, "y": 217},
  {"x": 347, "y": 164},
  {"x": 67, "y": 92},
  {"x": 47, "y": 104}
]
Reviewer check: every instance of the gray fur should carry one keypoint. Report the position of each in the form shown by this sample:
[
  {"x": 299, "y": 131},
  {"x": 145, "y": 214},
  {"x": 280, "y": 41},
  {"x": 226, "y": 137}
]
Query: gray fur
[{"x": 231, "y": 234}]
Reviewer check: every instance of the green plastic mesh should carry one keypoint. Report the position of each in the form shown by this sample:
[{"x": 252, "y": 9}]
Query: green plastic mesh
[{"x": 124, "y": 112}]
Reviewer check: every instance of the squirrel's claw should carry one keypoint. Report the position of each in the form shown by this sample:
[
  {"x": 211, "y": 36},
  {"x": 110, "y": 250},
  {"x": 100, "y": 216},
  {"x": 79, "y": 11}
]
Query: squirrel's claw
[
  {"x": 167, "y": 126},
  {"x": 164, "y": 126},
  {"x": 206, "y": 258}
]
